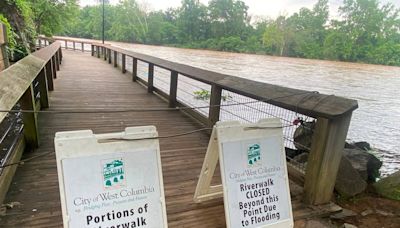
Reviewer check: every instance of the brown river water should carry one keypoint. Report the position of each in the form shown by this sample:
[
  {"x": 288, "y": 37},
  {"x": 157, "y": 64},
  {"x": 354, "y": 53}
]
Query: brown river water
[{"x": 375, "y": 87}]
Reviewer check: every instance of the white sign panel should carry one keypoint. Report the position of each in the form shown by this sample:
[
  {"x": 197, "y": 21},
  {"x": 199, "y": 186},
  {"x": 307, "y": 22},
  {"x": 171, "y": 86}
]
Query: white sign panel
[
  {"x": 254, "y": 173},
  {"x": 106, "y": 184}
]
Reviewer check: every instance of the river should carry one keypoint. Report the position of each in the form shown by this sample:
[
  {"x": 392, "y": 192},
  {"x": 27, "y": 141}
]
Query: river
[{"x": 375, "y": 87}]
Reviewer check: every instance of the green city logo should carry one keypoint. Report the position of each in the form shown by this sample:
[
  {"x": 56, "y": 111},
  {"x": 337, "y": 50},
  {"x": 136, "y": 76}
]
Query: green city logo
[
  {"x": 113, "y": 174},
  {"x": 253, "y": 154}
]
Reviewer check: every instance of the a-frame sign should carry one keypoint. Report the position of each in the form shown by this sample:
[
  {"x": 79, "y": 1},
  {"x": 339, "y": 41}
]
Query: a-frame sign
[{"x": 255, "y": 183}]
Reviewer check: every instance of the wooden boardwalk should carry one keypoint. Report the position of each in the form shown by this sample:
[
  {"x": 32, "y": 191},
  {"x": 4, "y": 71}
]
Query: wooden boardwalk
[{"x": 85, "y": 82}]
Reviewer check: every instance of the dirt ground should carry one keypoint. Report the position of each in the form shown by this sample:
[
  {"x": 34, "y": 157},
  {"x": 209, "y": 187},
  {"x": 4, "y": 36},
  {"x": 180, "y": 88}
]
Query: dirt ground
[
  {"x": 372, "y": 211},
  {"x": 367, "y": 210}
]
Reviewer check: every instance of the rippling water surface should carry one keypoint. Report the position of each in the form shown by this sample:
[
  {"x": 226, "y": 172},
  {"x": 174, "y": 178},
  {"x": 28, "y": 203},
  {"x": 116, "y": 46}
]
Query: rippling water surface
[{"x": 377, "y": 88}]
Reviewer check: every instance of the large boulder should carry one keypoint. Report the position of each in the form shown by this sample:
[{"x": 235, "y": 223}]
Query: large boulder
[
  {"x": 302, "y": 136},
  {"x": 348, "y": 181},
  {"x": 364, "y": 162},
  {"x": 389, "y": 187}
]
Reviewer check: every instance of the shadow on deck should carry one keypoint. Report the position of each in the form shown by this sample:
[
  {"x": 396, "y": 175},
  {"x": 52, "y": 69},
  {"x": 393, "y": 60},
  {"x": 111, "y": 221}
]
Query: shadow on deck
[{"x": 85, "y": 82}]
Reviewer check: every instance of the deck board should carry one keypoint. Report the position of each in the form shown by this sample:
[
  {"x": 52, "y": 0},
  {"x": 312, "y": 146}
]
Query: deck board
[{"x": 90, "y": 83}]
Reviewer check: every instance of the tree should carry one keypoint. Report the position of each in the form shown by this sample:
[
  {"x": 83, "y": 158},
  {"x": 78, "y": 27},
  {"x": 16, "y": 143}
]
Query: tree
[
  {"x": 229, "y": 18},
  {"x": 192, "y": 21},
  {"x": 50, "y": 16}
]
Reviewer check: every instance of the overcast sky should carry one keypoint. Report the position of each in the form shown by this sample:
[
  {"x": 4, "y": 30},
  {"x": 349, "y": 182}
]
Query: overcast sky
[{"x": 266, "y": 8}]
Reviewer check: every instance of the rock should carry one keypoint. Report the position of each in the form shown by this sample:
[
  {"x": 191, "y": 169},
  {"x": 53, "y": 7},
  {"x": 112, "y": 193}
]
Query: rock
[
  {"x": 384, "y": 213},
  {"x": 301, "y": 158},
  {"x": 313, "y": 223},
  {"x": 348, "y": 181},
  {"x": 364, "y": 162},
  {"x": 348, "y": 225},
  {"x": 12, "y": 205},
  {"x": 291, "y": 153},
  {"x": 302, "y": 137},
  {"x": 345, "y": 213},
  {"x": 363, "y": 145},
  {"x": 389, "y": 187},
  {"x": 358, "y": 145},
  {"x": 367, "y": 212}
]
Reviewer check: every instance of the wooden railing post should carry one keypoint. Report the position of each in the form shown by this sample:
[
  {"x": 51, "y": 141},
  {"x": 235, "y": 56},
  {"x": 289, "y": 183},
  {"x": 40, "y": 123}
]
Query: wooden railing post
[
  {"x": 324, "y": 159},
  {"x": 215, "y": 102},
  {"x": 105, "y": 53},
  {"x": 173, "y": 89},
  {"x": 98, "y": 51},
  {"x": 73, "y": 45},
  {"x": 49, "y": 75},
  {"x": 66, "y": 45},
  {"x": 83, "y": 47},
  {"x": 60, "y": 55},
  {"x": 109, "y": 55},
  {"x": 123, "y": 60},
  {"x": 134, "y": 69},
  {"x": 92, "y": 47},
  {"x": 115, "y": 59},
  {"x": 31, "y": 132},
  {"x": 150, "y": 80},
  {"x": 43, "y": 88},
  {"x": 53, "y": 66},
  {"x": 40, "y": 43},
  {"x": 56, "y": 57}
]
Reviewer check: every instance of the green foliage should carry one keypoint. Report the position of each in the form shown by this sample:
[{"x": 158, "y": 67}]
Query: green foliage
[
  {"x": 52, "y": 16},
  {"x": 202, "y": 94},
  {"x": 22, "y": 38},
  {"x": 10, "y": 34}
]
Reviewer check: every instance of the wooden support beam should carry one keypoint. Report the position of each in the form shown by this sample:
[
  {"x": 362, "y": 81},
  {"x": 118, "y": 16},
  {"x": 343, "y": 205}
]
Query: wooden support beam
[
  {"x": 215, "y": 102},
  {"x": 66, "y": 44},
  {"x": 73, "y": 45},
  {"x": 60, "y": 54},
  {"x": 83, "y": 47},
  {"x": 173, "y": 89},
  {"x": 134, "y": 69},
  {"x": 123, "y": 60},
  {"x": 57, "y": 58},
  {"x": 53, "y": 66},
  {"x": 92, "y": 47},
  {"x": 150, "y": 80},
  {"x": 324, "y": 159},
  {"x": 98, "y": 51},
  {"x": 105, "y": 53},
  {"x": 49, "y": 75},
  {"x": 31, "y": 131},
  {"x": 115, "y": 59},
  {"x": 109, "y": 56},
  {"x": 43, "y": 88},
  {"x": 40, "y": 43}
]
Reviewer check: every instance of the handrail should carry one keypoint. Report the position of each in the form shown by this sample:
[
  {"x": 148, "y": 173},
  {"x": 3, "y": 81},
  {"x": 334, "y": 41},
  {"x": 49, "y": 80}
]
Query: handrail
[
  {"x": 316, "y": 105},
  {"x": 24, "y": 85},
  {"x": 15, "y": 80}
]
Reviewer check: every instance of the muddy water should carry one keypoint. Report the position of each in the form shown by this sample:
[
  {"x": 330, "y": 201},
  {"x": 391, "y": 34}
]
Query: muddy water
[{"x": 377, "y": 88}]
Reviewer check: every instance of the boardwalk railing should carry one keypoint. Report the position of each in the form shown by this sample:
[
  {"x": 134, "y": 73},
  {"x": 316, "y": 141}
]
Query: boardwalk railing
[
  {"x": 25, "y": 86},
  {"x": 209, "y": 97}
]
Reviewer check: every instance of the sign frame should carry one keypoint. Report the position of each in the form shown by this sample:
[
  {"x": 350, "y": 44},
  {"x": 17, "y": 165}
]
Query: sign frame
[
  {"x": 234, "y": 131},
  {"x": 83, "y": 144}
]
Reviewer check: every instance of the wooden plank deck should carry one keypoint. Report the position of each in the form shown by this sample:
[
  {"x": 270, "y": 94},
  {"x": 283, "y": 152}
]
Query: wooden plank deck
[{"x": 88, "y": 82}]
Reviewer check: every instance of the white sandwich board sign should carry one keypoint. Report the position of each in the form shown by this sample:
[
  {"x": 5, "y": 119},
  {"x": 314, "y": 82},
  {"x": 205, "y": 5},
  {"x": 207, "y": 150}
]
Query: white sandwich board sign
[
  {"x": 255, "y": 182},
  {"x": 107, "y": 182}
]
